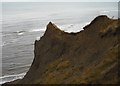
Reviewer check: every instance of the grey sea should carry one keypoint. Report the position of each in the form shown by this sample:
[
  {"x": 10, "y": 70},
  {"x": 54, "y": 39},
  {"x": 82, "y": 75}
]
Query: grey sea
[{"x": 25, "y": 22}]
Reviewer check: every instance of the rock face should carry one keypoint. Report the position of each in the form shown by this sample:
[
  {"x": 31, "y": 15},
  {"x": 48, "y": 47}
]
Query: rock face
[{"x": 89, "y": 56}]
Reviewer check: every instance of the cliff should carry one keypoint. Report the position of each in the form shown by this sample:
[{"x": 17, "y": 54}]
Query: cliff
[{"x": 87, "y": 57}]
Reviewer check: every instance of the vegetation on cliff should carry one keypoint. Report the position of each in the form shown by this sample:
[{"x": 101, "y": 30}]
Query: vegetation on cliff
[{"x": 87, "y": 57}]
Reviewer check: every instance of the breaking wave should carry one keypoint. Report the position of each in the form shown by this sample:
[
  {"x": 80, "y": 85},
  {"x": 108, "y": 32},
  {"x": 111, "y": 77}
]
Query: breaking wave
[{"x": 8, "y": 78}]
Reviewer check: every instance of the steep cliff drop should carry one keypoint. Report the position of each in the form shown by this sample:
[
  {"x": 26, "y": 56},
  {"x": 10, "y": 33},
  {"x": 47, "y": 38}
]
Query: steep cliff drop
[{"x": 87, "y": 57}]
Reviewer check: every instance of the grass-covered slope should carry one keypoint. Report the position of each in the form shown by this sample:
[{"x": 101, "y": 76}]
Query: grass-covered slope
[{"x": 86, "y": 57}]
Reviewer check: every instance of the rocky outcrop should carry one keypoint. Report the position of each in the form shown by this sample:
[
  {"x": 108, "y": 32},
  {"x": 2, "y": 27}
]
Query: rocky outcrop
[{"x": 89, "y": 56}]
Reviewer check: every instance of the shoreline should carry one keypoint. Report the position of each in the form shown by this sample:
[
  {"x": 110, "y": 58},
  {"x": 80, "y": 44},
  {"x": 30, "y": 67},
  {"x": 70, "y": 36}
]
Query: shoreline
[{"x": 9, "y": 78}]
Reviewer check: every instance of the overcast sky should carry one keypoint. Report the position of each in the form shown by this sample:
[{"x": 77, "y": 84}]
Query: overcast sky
[{"x": 59, "y": 0}]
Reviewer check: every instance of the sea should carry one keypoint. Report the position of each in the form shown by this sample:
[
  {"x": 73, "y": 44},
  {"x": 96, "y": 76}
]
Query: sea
[{"x": 25, "y": 22}]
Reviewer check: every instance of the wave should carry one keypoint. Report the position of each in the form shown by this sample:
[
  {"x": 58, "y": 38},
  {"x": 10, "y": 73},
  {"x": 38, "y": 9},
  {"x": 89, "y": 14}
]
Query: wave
[
  {"x": 20, "y": 32},
  {"x": 10, "y": 42},
  {"x": 32, "y": 30},
  {"x": 105, "y": 11},
  {"x": 110, "y": 13},
  {"x": 17, "y": 34},
  {"x": 38, "y": 38},
  {"x": 3, "y": 44},
  {"x": 36, "y": 30},
  {"x": 8, "y": 78},
  {"x": 19, "y": 67},
  {"x": 73, "y": 27}
]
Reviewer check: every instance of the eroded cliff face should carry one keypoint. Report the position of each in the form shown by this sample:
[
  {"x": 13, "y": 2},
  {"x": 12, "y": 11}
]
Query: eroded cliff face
[{"x": 89, "y": 56}]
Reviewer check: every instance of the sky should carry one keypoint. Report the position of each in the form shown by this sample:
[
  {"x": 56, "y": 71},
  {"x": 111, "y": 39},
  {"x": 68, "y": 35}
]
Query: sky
[{"x": 59, "y": 0}]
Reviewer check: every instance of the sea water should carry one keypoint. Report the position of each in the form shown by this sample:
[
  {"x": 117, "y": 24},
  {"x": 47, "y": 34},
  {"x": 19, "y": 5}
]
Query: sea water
[{"x": 25, "y": 22}]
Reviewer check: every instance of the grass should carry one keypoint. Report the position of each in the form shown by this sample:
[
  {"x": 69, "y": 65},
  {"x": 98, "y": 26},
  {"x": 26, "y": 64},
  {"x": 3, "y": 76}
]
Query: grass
[
  {"x": 61, "y": 70},
  {"x": 112, "y": 25},
  {"x": 56, "y": 72},
  {"x": 94, "y": 72}
]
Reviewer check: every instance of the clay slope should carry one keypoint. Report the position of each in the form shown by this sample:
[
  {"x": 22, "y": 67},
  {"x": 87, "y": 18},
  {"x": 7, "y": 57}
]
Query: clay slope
[{"x": 89, "y": 56}]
